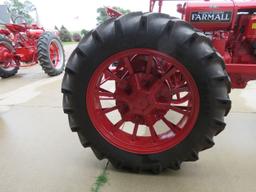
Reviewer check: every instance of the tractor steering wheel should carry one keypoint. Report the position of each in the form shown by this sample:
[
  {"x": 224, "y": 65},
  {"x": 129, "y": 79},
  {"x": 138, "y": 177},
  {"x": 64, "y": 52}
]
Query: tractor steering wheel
[{"x": 19, "y": 20}]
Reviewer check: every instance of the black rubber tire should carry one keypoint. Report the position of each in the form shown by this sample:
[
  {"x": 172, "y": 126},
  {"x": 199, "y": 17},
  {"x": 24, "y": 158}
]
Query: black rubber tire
[
  {"x": 44, "y": 55},
  {"x": 173, "y": 37},
  {"x": 7, "y": 73}
]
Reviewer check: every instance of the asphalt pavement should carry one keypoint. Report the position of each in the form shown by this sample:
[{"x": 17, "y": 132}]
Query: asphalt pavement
[{"x": 39, "y": 153}]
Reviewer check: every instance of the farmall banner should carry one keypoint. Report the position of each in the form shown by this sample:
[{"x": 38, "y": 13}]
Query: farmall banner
[{"x": 220, "y": 16}]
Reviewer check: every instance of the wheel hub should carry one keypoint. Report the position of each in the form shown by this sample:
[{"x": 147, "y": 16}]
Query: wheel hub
[
  {"x": 55, "y": 54},
  {"x": 6, "y": 57},
  {"x": 5, "y": 54},
  {"x": 140, "y": 101}
]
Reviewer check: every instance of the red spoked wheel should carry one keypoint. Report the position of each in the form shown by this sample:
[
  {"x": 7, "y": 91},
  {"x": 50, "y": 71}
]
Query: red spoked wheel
[
  {"x": 56, "y": 56},
  {"x": 142, "y": 101},
  {"x": 7, "y": 61},
  {"x": 8, "y": 64}
]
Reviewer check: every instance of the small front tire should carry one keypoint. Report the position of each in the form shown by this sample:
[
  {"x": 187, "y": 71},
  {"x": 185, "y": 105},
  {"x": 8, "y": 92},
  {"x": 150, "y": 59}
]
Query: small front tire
[
  {"x": 51, "y": 54},
  {"x": 9, "y": 67}
]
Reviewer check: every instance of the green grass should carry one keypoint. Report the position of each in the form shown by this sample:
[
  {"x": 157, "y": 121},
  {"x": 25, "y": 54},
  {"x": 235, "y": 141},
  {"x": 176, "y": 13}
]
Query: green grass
[
  {"x": 72, "y": 32},
  {"x": 101, "y": 180},
  {"x": 69, "y": 43}
]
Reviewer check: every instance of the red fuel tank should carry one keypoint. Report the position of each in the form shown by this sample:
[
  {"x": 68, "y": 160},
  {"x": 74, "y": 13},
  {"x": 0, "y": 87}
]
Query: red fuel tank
[
  {"x": 34, "y": 33},
  {"x": 210, "y": 15}
]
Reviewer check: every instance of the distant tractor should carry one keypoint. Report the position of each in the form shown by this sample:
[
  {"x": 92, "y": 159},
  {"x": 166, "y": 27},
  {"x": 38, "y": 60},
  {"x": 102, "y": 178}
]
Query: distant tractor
[
  {"x": 23, "y": 45},
  {"x": 149, "y": 91}
]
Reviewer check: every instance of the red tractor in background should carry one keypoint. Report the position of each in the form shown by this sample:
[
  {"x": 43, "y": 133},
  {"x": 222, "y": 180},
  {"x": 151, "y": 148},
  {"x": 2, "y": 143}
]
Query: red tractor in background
[
  {"x": 29, "y": 44},
  {"x": 149, "y": 91}
]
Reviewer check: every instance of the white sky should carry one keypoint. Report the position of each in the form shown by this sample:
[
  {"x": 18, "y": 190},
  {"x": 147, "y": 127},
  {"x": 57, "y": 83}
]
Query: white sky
[{"x": 79, "y": 14}]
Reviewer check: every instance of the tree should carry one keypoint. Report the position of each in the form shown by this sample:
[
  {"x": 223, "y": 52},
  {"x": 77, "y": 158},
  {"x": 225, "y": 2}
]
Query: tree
[
  {"x": 83, "y": 32},
  {"x": 56, "y": 28},
  {"x": 17, "y": 8},
  {"x": 76, "y": 37},
  {"x": 103, "y": 15},
  {"x": 64, "y": 34}
]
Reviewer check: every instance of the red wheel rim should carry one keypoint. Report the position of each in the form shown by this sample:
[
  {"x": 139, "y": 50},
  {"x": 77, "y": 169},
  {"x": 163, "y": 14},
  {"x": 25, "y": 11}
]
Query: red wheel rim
[
  {"x": 142, "y": 101},
  {"x": 56, "y": 55},
  {"x": 7, "y": 61}
]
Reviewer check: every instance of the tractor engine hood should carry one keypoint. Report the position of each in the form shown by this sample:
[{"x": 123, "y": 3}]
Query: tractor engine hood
[{"x": 210, "y": 15}]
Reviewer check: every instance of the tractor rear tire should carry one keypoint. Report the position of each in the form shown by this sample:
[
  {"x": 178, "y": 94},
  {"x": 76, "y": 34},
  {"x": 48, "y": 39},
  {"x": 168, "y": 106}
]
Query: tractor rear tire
[
  {"x": 6, "y": 72},
  {"x": 51, "y": 54},
  {"x": 164, "y": 37}
]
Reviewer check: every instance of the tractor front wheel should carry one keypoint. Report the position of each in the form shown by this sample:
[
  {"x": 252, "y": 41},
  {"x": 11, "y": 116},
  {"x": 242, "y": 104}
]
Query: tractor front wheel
[
  {"x": 8, "y": 66},
  {"x": 146, "y": 91},
  {"x": 51, "y": 54}
]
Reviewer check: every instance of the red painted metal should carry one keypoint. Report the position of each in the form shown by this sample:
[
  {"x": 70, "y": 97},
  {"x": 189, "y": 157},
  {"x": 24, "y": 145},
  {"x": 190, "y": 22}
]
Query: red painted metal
[
  {"x": 7, "y": 57},
  {"x": 241, "y": 74},
  {"x": 55, "y": 54},
  {"x": 24, "y": 39},
  {"x": 112, "y": 12},
  {"x": 233, "y": 32},
  {"x": 4, "y": 32},
  {"x": 149, "y": 88},
  {"x": 5, "y": 53}
]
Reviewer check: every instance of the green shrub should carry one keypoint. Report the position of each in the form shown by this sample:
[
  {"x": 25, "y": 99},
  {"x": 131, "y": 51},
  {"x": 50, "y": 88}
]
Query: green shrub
[
  {"x": 76, "y": 37},
  {"x": 84, "y": 32},
  {"x": 64, "y": 34}
]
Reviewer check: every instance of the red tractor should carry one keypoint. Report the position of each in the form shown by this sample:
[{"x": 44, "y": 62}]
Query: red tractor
[
  {"x": 149, "y": 91},
  {"x": 28, "y": 44}
]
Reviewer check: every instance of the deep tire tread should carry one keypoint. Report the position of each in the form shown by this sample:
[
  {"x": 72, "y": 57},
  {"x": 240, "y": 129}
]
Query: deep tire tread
[
  {"x": 218, "y": 125},
  {"x": 43, "y": 54},
  {"x": 97, "y": 37},
  {"x": 226, "y": 102}
]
